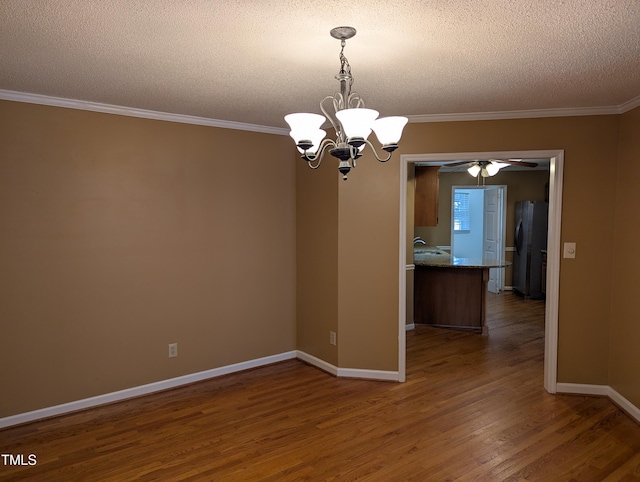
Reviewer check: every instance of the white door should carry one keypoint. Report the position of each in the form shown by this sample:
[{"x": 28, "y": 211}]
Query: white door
[{"x": 492, "y": 242}]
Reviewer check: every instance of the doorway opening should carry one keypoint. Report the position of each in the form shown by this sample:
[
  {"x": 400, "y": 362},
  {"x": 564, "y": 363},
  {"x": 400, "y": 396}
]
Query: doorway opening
[
  {"x": 478, "y": 226},
  {"x": 556, "y": 167}
]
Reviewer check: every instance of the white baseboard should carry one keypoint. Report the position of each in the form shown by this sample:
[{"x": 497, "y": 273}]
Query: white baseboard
[
  {"x": 141, "y": 390},
  {"x": 318, "y": 363},
  {"x": 601, "y": 390},
  {"x": 576, "y": 388},
  {"x": 583, "y": 389},
  {"x": 410, "y": 326},
  {"x": 348, "y": 372},
  {"x": 381, "y": 375},
  {"x": 625, "y": 404},
  {"x": 194, "y": 377}
]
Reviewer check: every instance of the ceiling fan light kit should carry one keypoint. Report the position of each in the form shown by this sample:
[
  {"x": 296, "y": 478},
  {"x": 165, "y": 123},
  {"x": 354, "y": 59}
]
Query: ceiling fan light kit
[
  {"x": 352, "y": 122},
  {"x": 491, "y": 167},
  {"x": 486, "y": 168}
]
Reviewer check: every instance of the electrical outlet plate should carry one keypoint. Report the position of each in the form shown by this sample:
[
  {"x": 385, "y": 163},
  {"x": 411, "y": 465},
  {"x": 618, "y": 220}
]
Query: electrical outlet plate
[
  {"x": 569, "y": 250},
  {"x": 332, "y": 337},
  {"x": 173, "y": 350}
]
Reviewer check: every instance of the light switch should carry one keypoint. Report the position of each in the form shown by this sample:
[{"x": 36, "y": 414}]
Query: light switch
[{"x": 569, "y": 250}]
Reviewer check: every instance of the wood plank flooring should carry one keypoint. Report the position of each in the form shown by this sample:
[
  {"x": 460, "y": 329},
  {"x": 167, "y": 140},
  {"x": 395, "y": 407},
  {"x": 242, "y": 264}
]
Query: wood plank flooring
[{"x": 473, "y": 408}]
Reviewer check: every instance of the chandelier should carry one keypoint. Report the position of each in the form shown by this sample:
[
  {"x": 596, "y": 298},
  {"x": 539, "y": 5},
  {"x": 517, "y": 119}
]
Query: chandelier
[{"x": 351, "y": 121}]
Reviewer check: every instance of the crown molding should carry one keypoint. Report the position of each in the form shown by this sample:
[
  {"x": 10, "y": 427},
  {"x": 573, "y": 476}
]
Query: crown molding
[
  {"x": 134, "y": 112},
  {"x": 517, "y": 114},
  {"x": 631, "y": 104},
  {"x": 205, "y": 121}
]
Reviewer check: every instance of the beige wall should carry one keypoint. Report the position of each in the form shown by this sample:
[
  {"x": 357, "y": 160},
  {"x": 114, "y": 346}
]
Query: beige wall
[
  {"x": 317, "y": 258},
  {"x": 624, "y": 372},
  {"x": 119, "y": 235},
  {"x": 342, "y": 276},
  {"x": 368, "y": 266}
]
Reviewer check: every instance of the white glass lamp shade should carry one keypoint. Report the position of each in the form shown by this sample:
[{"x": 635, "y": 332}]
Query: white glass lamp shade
[
  {"x": 304, "y": 125},
  {"x": 474, "y": 170},
  {"x": 492, "y": 169},
  {"x": 357, "y": 122},
  {"x": 315, "y": 137},
  {"x": 389, "y": 129}
]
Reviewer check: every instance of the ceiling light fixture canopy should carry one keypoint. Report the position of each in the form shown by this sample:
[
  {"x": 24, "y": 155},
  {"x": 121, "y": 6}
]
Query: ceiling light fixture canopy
[{"x": 350, "y": 119}]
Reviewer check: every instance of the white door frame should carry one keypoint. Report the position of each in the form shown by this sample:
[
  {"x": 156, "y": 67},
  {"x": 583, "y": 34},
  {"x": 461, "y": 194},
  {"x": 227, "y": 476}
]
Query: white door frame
[{"x": 556, "y": 171}]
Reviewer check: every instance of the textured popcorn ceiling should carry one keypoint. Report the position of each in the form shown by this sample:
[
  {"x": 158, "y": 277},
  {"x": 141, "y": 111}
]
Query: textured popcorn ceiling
[{"x": 255, "y": 61}]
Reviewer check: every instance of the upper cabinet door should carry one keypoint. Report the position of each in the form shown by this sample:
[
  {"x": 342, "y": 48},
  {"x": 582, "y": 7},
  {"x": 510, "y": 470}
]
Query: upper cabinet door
[{"x": 426, "y": 196}]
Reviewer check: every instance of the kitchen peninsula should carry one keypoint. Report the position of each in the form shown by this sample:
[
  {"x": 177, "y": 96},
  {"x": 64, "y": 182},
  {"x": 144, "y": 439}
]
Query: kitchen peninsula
[{"x": 450, "y": 292}]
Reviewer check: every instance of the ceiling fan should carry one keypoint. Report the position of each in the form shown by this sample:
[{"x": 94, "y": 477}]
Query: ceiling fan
[{"x": 488, "y": 168}]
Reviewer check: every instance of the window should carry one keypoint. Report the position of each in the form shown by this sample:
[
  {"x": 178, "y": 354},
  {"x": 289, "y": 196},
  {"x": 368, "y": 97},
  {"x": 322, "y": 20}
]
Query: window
[{"x": 461, "y": 212}]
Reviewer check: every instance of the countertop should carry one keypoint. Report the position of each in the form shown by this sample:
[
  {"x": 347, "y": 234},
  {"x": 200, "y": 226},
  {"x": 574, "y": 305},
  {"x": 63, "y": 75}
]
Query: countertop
[{"x": 432, "y": 256}]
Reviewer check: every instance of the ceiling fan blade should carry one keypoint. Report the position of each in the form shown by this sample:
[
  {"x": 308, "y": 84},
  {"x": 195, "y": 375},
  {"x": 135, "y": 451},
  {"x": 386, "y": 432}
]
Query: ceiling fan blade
[
  {"x": 517, "y": 163},
  {"x": 457, "y": 163}
]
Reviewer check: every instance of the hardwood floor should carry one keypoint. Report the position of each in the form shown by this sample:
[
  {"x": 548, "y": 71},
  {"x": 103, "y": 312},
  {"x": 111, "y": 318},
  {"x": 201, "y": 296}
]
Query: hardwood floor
[{"x": 473, "y": 408}]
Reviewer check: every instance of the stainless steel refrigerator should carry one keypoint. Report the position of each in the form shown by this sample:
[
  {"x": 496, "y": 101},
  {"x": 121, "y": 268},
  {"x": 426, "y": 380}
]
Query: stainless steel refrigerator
[{"x": 530, "y": 240}]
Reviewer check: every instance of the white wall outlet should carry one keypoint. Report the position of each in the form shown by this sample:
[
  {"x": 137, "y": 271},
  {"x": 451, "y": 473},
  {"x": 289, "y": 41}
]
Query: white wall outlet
[
  {"x": 332, "y": 337},
  {"x": 173, "y": 350},
  {"x": 569, "y": 250}
]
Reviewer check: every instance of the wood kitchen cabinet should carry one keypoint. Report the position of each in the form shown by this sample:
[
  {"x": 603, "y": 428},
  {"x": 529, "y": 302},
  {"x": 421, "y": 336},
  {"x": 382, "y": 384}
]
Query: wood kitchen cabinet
[{"x": 426, "y": 196}]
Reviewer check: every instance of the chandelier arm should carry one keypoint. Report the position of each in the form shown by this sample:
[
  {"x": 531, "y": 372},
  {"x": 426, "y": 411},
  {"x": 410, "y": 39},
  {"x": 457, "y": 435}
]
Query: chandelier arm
[
  {"x": 375, "y": 153},
  {"x": 319, "y": 153},
  {"x": 354, "y": 96},
  {"x": 331, "y": 116}
]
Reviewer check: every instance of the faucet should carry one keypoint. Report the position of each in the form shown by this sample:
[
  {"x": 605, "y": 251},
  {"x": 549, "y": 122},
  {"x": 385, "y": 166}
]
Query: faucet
[{"x": 417, "y": 240}]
